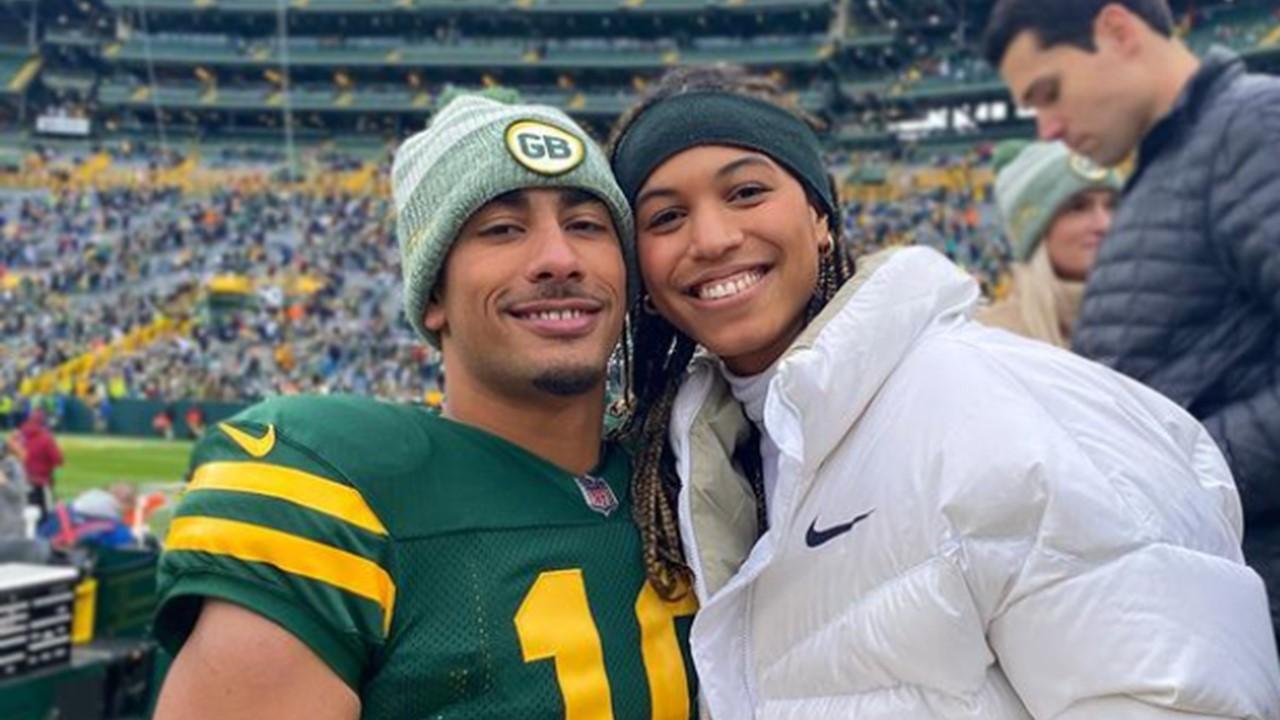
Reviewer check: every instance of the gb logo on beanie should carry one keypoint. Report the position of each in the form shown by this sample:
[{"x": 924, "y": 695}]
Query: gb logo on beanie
[
  {"x": 1086, "y": 168},
  {"x": 543, "y": 148}
]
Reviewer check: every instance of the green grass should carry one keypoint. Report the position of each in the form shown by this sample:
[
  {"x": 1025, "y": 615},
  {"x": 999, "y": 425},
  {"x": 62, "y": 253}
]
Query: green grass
[{"x": 99, "y": 460}]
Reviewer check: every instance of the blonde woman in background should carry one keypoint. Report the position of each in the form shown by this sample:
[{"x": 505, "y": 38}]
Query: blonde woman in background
[{"x": 1056, "y": 208}]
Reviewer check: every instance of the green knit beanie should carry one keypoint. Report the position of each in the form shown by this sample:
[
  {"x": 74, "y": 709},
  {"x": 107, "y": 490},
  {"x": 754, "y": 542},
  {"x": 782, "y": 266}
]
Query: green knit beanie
[
  {"x": 1032, "y": 185},
  {"x": 474, "y": 150}
]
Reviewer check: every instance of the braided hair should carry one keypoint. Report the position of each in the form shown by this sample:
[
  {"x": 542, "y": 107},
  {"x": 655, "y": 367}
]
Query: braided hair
[{"x": 658, "y": 355}]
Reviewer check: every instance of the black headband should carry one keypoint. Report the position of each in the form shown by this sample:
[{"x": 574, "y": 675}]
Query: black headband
[{"x": 675, "y": 124}]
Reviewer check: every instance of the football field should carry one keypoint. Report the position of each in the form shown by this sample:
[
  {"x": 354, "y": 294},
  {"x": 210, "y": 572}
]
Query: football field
[{"x": 99, "y": 460}]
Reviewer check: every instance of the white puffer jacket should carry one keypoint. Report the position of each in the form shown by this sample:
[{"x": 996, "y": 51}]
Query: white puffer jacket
[{"x": 967, "y": 524}]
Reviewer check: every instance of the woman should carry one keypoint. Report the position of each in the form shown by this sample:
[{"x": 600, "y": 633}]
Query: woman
[
  {"x": 1057, "y": 209},
  {"x": 886, "y": 510}
]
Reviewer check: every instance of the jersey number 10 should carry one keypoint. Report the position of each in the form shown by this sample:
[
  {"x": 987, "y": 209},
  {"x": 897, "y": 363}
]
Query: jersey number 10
[{"x": 554, "y": 621}]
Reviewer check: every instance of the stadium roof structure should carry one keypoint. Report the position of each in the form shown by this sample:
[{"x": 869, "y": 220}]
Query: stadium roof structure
[{"x": 325, "y": 99}]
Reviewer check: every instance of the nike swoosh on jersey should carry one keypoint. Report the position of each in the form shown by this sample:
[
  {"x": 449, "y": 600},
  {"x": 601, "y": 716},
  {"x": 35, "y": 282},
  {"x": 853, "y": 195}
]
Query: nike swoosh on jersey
[
  {"x": 255, "y": 446},
  {"x": 815, "y": 537}
]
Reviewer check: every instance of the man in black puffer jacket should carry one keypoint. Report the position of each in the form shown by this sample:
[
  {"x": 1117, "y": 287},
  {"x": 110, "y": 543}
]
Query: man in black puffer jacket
[{"x": 1185, "y": 295}]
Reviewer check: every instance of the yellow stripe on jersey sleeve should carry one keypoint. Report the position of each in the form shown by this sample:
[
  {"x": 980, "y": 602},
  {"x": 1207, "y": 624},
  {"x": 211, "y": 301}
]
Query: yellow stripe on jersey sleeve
[
  {"x": 295, "y": 486},
  {"x": 288, "y": 553}
]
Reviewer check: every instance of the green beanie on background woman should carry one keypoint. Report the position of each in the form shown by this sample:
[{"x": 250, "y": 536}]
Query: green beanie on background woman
[{"x": 1056, "y": 209}]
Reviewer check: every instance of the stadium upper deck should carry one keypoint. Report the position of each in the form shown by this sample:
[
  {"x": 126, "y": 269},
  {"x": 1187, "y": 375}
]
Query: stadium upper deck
[{"x": 376, "y": 67}]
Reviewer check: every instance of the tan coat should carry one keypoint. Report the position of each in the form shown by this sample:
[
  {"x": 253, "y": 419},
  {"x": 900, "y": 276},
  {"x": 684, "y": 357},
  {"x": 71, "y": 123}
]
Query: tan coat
[{"x": 1041, "y": 306}]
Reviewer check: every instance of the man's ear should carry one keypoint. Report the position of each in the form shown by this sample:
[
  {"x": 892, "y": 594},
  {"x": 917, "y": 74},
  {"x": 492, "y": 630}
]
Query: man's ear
[
  {"x": 1116, "y": 27},
  {"x": 434, "y": 318}
]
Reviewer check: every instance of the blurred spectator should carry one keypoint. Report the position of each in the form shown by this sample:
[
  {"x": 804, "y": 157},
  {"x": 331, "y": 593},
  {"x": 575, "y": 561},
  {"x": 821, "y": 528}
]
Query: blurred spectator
[
  {"x": 162, "y": 423},
  {"x": 13, "y": 496},
  {"x": 15, "y": 545},
  {"x": 195, "y": 421},
  {"x": 12, "y": 469},
  {"x": 140, "y": 512},
  {"x": 41, "y": 456},
  {"x": 1057, "y": 210},
  {"x": 94, "y": 517}
]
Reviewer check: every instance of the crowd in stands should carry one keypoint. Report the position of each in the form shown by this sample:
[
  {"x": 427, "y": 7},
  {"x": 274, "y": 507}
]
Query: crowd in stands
[
  {"x": 953, "y": 66},
  {"x": 957, "y": 218},
  {"x": 964, "y": 228},
  {"x": 82, "y": 269}
]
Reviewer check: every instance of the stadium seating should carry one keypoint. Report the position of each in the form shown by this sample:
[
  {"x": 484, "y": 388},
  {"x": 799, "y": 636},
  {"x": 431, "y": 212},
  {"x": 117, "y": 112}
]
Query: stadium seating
[
  {"x": 107, "y": 242},
  {"x": 530, "y": 6},
  {"x": 215, "y": 50}
]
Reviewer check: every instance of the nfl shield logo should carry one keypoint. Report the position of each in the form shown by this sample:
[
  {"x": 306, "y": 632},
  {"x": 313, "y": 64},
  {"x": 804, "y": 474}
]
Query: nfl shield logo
[{"x": 597, "y": 493}]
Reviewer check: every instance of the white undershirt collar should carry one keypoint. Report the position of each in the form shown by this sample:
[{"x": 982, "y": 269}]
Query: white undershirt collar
[{"x": 752, "y": 391}]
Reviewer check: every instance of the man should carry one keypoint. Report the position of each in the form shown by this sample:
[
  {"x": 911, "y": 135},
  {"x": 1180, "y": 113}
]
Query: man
[
  {"x": 41, "y": 456},
  {"x": 340, "y": 557},
  {"x": 1185, "y": 295}
]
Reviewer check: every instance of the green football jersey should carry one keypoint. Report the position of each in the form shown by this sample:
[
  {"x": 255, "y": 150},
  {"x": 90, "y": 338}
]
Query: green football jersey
[{"x": 440, "y": 571}]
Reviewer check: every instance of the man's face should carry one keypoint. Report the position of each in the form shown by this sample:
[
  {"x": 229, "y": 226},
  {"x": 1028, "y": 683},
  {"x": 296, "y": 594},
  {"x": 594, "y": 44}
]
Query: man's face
[
  {"x": 1098, "y": 103},
  {"x": 532, "y": 295}
]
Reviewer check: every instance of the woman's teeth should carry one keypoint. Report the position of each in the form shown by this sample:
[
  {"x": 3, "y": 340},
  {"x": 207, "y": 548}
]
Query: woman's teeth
[{"x": 729, "y": 286}]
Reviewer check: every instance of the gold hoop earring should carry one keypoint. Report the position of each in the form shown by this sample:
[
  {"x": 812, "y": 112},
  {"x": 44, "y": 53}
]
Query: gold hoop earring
[{"x": 646, "y": 304}]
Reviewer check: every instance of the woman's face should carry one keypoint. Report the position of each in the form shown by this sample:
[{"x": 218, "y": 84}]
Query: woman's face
[
  {"x": 728, "y": 247},
  {"x": 1078, "y": 231}
]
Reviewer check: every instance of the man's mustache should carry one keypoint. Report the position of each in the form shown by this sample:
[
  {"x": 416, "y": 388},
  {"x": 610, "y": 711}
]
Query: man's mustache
[{"x": 558, "y": 290}]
